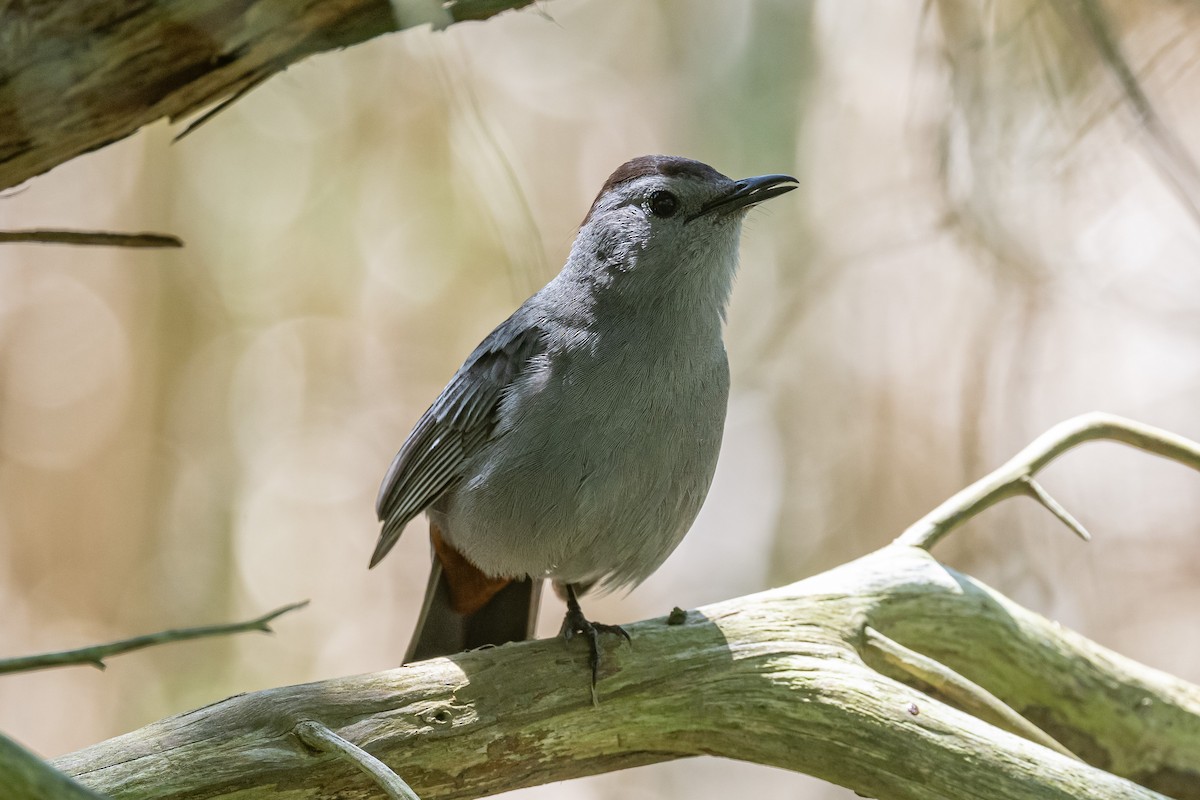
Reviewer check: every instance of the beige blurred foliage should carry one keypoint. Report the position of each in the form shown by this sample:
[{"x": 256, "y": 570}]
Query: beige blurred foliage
[{"x": 984, "y": 246}]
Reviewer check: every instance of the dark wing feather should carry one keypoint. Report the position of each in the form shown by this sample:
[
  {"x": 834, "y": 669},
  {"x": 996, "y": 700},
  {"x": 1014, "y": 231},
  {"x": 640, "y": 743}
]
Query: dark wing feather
[{"x": 452, "y": 430}]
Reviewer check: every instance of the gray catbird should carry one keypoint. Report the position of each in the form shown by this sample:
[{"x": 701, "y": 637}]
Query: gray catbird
[{"x": 578, "y": 441}]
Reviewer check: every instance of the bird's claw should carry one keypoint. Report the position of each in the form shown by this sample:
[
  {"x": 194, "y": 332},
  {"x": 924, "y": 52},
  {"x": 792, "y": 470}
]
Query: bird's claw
[{"x": 576, "y": 624}]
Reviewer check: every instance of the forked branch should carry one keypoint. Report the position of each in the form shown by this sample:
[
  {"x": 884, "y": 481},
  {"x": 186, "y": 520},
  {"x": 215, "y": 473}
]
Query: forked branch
[
  {"x": 1016, "y": 477},
  {"x": 892, "y": 675}
]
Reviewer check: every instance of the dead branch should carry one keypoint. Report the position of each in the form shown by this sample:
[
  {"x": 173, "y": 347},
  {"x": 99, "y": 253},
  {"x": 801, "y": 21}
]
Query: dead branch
[
  {"x": 76, "y": 75},
  {"x": 892, "y": 675}
]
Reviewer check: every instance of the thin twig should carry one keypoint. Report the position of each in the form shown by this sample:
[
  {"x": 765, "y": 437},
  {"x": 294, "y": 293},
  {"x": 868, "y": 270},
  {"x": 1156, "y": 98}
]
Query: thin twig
[
  {"x": 95, "y": 654},
  {"x": 92, "y": 238},
  {"x": 223, "y": 105},
  {"x": 959, "y": 690},
  {"x": 1039, "y": 493},
  {"x": 319, "y": 737},
  {"x": 1011, "y": 478}
]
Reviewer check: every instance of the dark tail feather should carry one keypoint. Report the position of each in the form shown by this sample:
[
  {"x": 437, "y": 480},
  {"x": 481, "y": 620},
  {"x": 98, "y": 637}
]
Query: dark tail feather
[{"x": 510, "y": 616}]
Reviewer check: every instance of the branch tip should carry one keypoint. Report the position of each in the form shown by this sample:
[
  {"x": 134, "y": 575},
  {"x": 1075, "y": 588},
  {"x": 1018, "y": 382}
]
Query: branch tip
[{"x": 1038, "y": 493}]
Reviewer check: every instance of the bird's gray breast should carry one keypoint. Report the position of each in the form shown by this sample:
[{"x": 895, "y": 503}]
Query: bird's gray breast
[{"x": 604, "y": 451}]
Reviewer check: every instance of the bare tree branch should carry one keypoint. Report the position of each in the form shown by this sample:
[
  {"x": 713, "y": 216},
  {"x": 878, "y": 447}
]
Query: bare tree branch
[
  {"x": 1013, "y": 478},
  {"x": 76, "y": 75},
  {"x": 1039, "y": 493},
  {"x": 776, "y": 678},
  {"x": 94, "y": 655},
  {"x": 95, "y": 238},
  {"x": 892, "y": 675}
]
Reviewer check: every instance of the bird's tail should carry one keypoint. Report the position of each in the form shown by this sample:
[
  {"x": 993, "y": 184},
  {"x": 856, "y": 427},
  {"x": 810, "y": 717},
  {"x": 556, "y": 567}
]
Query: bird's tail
[{"x": 509, "y": 615}]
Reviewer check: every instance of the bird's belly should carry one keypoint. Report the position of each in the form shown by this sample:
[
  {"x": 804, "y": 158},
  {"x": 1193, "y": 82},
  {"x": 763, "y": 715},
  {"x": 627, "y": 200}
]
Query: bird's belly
[{"x": 591, "y": 480}]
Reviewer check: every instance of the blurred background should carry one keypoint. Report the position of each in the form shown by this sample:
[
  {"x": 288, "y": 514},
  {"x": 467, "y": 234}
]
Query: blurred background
[{"x": 991, "y": 237}]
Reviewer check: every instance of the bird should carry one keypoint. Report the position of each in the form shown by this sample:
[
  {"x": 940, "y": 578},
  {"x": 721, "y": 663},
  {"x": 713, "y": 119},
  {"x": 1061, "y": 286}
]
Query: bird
[{"x": 579, "y": 440}]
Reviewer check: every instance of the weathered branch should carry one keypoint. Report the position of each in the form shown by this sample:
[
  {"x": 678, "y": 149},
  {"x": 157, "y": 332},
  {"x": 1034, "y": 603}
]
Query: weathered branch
[
  {"x": 76, "y": 75},
  {"x": 94, "y": 655},
  {"x": 777, "y": 678},
  {"x": 892, "y": 675},
  {"x": 1016, "y": 476}
]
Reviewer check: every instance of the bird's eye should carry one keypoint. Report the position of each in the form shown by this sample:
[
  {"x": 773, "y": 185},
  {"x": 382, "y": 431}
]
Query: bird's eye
[{"x": 663, "y": 204}]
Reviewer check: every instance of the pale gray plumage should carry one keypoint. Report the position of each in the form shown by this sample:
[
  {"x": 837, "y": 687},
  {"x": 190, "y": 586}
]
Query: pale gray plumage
[
  {"x": 579, "y": 440},
  {"x": 454, "y": 428}
]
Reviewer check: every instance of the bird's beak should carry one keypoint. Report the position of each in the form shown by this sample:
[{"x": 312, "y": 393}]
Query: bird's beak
[{"x": 747, "y": 192}]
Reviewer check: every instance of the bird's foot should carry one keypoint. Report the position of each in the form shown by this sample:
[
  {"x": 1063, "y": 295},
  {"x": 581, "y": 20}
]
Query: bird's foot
[{"x": 576, "y": 624}]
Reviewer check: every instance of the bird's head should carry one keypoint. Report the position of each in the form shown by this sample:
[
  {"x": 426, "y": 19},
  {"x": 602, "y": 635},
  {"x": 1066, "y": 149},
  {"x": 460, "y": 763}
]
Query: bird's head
[{"x": 668, "y": 225}]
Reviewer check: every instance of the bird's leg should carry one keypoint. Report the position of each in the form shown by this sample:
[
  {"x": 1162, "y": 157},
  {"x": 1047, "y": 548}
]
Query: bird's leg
[{"x": 576, "y": 623}]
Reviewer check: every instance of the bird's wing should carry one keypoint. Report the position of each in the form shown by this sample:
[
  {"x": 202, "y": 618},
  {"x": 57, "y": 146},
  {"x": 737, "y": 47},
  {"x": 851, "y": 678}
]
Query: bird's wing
[{"x": 452, "y": 430}]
